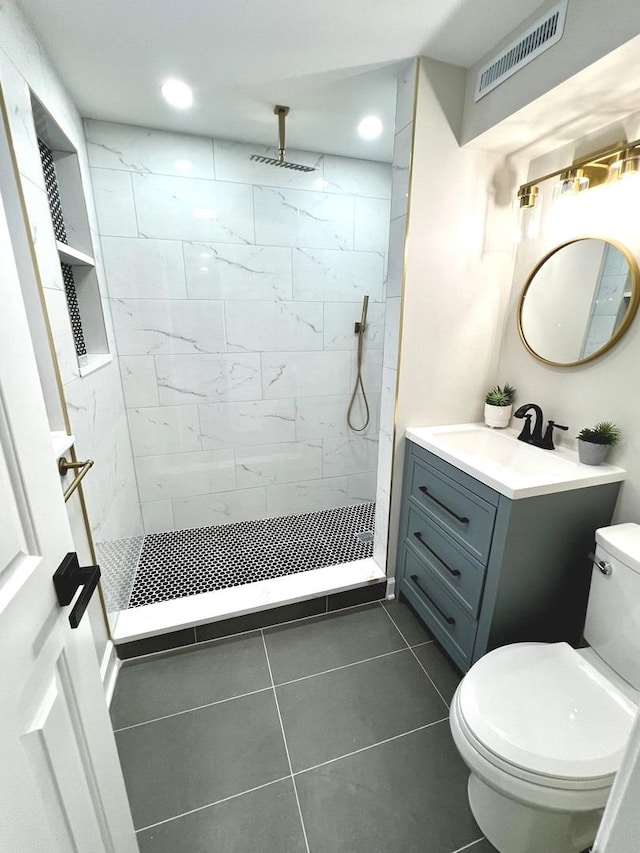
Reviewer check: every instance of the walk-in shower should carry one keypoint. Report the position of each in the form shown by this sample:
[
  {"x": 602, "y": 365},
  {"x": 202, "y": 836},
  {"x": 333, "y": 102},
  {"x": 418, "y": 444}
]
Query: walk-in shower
[{"x": 251, "y": 398}]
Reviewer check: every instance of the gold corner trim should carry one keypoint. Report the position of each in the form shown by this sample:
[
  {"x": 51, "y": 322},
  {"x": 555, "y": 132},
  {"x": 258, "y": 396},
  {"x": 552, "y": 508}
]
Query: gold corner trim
[{"x": 394, "y": 431}]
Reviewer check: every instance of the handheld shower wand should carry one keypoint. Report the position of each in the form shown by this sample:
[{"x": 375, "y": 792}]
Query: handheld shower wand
[
  {"x": 361, "y": 326},
  {"x": 359, "y": 329}
]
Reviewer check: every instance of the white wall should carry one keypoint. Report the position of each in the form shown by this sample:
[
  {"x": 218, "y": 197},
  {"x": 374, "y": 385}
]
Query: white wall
[
  {"x": 94, "y": 403},
  {"x": 457, "y": 273},
  {"x": 604, "y": 389},
  {"x": 235, "y": 287}
]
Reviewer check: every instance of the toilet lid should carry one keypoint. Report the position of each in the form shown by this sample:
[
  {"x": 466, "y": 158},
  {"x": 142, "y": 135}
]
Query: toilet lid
[{"x": 543, "y": 708}]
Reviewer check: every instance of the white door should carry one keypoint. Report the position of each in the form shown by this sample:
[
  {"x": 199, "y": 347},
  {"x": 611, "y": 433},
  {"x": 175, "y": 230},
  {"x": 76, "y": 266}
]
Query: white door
[{"x": 61, "y": 787}]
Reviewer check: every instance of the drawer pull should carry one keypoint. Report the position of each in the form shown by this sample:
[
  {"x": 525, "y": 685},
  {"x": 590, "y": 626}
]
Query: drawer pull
[
  {"x": 418, "y": 536},
  {"x": 461, "y": 518},
  {"x": 449, "y": 619}
]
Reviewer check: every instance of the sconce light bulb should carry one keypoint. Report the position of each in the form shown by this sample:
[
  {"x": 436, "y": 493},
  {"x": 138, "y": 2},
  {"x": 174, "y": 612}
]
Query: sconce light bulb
[
  {"x": 571, "y": 182},
  {"x": 527, "y": 210},
  {"x": 627, "y": 164}
]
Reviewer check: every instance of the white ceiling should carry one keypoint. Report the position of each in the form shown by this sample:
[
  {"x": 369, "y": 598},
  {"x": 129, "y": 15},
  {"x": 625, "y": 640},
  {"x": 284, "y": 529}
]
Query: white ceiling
[{"x": 332, "y": 62}]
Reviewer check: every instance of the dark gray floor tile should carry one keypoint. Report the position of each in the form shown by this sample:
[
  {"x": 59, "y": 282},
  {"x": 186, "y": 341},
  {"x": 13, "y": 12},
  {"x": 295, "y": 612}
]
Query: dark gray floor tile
[
  {"x": 340, "y": 638},
  {"x": 330, "y": 715},
  {"x": 160, "y": 643},
  {"x": 191, "y": 677},
  {"x": 181, "y": 763},
  {"x": 482, "y": 847},
  {"x": 264, "y": 820},
  {"x": 405, "y": 796},
  {"x": 408, "y": 623},
  {"x": 445, "y": 675},
  {"x": 262, "y": 619}
]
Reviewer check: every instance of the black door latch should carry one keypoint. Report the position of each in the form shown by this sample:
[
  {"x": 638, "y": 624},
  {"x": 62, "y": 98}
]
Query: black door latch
[{"x": 68, "y": 578}]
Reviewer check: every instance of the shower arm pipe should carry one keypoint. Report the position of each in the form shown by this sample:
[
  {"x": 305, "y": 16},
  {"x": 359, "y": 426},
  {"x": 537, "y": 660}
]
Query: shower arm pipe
[{"x": 281, "y": 112}]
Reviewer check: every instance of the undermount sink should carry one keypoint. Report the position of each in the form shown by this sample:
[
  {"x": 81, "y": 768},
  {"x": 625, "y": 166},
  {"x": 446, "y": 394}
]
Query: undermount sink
[{"x": 511, "y": 467}]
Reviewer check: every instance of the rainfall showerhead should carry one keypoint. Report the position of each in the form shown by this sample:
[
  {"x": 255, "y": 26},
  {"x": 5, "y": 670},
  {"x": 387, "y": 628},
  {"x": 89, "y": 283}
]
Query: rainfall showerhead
[{"x": 281, "y": 161}]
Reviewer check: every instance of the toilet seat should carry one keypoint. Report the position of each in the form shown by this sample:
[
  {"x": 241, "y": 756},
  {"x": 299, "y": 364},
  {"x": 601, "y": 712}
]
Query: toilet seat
[{"x": 542, "y": 713}]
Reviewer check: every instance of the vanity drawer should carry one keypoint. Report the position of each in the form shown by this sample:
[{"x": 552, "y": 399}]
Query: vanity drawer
[
  {"x": 465, "y": 516},
  {"x": 444, "y": 616},
  {"x": 462, "y": 575}
]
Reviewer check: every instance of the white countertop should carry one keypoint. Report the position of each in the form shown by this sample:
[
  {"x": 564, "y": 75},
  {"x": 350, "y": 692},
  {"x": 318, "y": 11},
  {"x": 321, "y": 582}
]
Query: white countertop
[{"x": 515, "y": 469}]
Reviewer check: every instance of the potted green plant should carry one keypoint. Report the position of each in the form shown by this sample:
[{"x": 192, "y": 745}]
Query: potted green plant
[
  {"x": 594, "y": 442},
  {"x": 498, "y": 405}
]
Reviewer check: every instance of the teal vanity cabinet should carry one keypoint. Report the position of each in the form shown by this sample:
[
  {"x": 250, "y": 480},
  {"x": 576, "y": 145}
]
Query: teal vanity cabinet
[{"x": 482, "y": 570}]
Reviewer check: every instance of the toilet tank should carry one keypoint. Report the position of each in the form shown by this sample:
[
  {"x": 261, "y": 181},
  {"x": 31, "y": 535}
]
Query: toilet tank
[{"x": 612, "y": 627}]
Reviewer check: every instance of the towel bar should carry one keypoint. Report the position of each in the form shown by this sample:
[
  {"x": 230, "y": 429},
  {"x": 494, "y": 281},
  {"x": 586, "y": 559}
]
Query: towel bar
[{"x": 64, "y": 466}]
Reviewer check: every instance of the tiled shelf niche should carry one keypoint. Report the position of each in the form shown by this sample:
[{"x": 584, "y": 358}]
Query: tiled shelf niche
[{"x": 73, "y": 240}]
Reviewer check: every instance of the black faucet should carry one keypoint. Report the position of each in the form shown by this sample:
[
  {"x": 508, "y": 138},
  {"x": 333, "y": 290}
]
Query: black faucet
[{"x": 534, "y": 436}]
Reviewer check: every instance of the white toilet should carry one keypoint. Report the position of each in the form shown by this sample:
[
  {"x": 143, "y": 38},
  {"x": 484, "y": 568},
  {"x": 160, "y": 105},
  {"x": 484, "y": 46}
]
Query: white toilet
[{"x": 542, "y": 727}]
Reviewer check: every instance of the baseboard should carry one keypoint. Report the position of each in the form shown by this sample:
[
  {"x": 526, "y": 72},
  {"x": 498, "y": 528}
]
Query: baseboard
[
  {"x": 391, "y": 585},
  {"x": 109, "y": 669}
]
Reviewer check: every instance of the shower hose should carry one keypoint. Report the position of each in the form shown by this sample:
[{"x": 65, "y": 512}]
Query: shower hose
[{"x": 359, "y": 385}]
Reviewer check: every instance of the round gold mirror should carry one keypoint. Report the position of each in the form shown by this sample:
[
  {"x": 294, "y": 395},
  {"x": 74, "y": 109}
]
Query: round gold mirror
[{"x": 578, "y": 302}]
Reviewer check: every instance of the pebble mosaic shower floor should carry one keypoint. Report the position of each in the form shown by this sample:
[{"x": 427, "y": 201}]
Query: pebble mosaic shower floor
[{"x": 204, "y": 559}]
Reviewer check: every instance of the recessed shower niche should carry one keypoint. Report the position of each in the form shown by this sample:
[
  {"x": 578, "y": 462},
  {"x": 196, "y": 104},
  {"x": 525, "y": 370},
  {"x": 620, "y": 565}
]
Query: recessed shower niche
[{"x": 68, "y": 211}]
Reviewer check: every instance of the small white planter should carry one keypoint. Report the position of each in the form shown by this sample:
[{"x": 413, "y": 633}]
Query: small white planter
[
  {"x": 590, "y": 453},
  {"x": 497, "y": 417}
]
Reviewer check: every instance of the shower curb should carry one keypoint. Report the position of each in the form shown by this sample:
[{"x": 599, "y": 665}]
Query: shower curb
[{"x": 252, "y": 621}]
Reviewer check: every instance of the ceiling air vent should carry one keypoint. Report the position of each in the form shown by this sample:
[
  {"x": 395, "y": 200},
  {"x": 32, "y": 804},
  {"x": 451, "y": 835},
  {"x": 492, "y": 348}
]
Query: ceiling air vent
[{"x": 540, "y": 36}]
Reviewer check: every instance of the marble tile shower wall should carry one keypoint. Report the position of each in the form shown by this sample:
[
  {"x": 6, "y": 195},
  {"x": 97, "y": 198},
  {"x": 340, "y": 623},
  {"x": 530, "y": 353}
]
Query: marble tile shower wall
[{"x": 234, "y": 289}]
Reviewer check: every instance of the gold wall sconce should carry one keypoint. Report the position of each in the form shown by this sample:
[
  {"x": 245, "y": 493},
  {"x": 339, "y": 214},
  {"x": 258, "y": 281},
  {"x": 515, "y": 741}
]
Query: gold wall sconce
[{"x": 606, "y": 165}]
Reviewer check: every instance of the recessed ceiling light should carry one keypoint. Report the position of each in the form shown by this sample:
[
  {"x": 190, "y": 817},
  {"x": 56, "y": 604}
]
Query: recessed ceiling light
[
  {"x": 370, "y": 127},
  {"x": 177, "y": 93}
]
